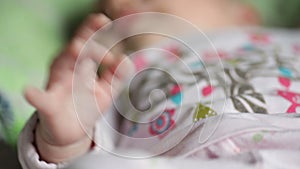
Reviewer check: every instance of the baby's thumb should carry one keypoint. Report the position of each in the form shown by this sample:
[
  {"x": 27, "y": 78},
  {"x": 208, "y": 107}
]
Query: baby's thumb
[{"x": 35, "y": 97}]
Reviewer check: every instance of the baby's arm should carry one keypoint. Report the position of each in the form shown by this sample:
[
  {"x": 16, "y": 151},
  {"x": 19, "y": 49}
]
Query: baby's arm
[{"x": 59, "y": 134}]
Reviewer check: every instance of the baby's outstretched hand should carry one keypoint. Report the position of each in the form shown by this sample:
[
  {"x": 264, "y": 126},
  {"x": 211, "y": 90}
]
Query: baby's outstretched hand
[{"x": 75, "y": 96}]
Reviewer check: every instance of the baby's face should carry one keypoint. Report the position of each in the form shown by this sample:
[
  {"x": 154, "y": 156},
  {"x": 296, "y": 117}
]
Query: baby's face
[
  {"x": 118, "y": 8},
  {"x": 206, "y": 14}
]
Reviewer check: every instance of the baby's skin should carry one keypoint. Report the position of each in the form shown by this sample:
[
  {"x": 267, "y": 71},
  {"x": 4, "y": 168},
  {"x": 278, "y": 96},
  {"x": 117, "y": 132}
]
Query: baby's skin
[{"x": 59, "y": 136}]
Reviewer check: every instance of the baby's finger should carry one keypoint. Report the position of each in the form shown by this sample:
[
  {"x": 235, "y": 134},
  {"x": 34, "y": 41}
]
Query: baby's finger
[
  {"x": 124, "y": 68},
  {"x": 83, "y": 91},
  {"x": 98, "y": 53},
  {"x": 85, "y": 73},
  {"x": 116, "y": 75},
  {"x": 103, "y": 95},
  {"x": 93, "y": 23}
]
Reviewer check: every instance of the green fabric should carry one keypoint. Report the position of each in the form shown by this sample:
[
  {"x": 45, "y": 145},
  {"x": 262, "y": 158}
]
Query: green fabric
[
  {"x": 31, "y": 34},
  {"x": 284, "y": 13}
]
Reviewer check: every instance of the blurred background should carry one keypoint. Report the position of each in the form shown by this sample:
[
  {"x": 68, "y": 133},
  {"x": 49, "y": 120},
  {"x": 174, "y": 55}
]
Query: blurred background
[{"x": 32, "y": 32}]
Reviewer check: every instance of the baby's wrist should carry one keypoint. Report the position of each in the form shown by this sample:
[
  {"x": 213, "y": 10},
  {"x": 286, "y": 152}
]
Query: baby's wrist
[{"x": 57, "y": 154}]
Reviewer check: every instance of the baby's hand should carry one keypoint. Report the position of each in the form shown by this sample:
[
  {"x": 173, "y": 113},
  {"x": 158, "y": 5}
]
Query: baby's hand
[{"x": 66, "y": 109}]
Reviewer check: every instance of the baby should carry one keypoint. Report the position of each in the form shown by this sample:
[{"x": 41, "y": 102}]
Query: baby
[{"x": 260, "y": 75}]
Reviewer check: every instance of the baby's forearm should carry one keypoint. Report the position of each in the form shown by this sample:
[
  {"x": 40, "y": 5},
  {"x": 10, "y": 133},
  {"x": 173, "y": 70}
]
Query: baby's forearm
[{"x": 57, "y": 154}]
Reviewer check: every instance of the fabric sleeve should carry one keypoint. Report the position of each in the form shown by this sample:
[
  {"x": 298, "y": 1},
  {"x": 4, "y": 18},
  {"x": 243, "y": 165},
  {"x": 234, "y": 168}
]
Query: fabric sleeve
[
  {"x": 29, "y": 157},
  {"x": 27, "y": 153}
]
